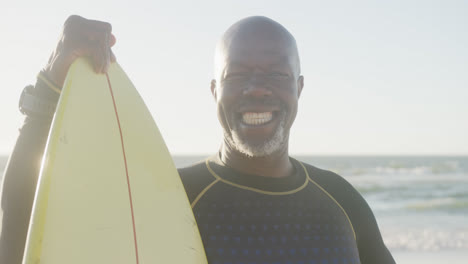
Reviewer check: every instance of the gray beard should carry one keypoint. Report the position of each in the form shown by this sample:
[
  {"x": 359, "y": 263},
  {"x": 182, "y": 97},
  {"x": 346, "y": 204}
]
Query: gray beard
[{"x": 270, "y": 146}]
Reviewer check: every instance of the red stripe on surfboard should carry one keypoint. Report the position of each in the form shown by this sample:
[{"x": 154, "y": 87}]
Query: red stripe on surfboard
[{"x": 126, "y": 168}]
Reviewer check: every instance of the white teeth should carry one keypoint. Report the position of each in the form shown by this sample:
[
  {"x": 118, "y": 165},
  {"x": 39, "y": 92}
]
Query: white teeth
[{"x": 251, "y": 118}]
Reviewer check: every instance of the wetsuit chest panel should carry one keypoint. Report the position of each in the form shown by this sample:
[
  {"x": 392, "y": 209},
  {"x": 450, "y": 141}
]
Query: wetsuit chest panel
[{"x": 243, "y": 226}]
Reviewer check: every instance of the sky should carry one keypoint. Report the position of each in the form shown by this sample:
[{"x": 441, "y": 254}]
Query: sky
[{"x": 381, "y": 77}]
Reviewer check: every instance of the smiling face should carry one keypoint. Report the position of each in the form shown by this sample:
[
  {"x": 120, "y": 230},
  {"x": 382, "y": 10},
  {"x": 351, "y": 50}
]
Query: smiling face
[{"x": 257, "y": 86}]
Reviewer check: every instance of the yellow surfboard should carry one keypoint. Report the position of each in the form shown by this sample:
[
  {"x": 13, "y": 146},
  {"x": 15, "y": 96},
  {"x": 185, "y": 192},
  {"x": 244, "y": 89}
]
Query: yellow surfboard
[{"x": 108, "y": 191}]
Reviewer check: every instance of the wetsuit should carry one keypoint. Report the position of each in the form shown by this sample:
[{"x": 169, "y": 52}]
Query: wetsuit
[{"x": 311, "y": 217}]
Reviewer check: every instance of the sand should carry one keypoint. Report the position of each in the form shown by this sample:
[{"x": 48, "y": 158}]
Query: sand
[{"x": 441, "y": 257}]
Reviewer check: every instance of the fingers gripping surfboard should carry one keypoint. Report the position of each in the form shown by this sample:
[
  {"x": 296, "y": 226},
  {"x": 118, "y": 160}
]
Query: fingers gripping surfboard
[{"x": 108, "y": 191}]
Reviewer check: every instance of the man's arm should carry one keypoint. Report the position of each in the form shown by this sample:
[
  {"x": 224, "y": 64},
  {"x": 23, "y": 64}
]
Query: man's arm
[
  {"x": 368, "y": 238},
  {"x": 18, "y": 188},
  {"x": 80, "y": 38},
  {"x": 370, "y": 243}
]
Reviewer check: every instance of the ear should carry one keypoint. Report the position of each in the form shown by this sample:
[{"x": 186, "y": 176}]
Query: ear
[
  {"x": 300, "y": 85},
  {"x": 213, "y": 89}
]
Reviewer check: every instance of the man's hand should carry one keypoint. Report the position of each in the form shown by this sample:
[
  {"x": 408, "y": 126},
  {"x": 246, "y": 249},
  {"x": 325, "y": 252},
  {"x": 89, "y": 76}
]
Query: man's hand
[{"x": 81, "y": 37}]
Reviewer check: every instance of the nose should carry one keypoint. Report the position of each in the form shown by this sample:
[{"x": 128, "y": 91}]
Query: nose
[{"x": 256, "y": 88}]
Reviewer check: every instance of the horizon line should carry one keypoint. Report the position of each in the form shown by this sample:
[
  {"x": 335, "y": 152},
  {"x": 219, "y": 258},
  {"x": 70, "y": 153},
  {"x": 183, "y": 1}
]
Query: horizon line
[{"x": 335, "y": 154}]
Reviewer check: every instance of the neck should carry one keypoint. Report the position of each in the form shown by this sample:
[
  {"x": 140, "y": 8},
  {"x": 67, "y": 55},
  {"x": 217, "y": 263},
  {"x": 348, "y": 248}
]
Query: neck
[{"x": 276, "y": 165}]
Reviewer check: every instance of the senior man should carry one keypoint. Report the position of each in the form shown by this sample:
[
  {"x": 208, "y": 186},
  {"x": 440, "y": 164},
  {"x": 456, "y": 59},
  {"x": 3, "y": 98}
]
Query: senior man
[{"x": 253, "y": 203}]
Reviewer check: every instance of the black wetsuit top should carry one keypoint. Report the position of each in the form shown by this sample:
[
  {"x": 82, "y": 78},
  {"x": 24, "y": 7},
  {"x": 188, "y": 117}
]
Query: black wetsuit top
[{"x": 306, "y": 218}]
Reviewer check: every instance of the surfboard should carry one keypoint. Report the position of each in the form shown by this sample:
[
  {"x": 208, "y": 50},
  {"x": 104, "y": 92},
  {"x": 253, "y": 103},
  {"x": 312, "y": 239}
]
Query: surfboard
[{"x": 108, "y": 191}]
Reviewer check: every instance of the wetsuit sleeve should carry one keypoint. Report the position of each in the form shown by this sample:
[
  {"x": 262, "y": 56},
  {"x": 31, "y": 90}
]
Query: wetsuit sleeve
[
  {"x": 370, "y": 243},
  {"x": 369, "y": 240},
  {"x": 19, "y": 185}
]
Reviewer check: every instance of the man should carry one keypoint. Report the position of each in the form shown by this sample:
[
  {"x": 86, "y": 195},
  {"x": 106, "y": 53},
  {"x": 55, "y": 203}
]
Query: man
[{"x": 252, "y": 202}]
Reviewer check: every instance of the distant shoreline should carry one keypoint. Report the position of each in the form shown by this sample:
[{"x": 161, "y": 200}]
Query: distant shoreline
[{"x": 189, "y": 158}]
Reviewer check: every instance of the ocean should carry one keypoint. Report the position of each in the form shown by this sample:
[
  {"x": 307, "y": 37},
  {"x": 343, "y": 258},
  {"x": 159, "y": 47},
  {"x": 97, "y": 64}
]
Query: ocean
[{"x": 421, "y": 203}]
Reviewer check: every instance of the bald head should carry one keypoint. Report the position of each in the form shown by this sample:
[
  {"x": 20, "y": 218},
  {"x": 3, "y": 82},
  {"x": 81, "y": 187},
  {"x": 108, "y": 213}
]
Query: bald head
[
  {"x": 254, "y": 35},
  {"x": 257, "y": 87}
]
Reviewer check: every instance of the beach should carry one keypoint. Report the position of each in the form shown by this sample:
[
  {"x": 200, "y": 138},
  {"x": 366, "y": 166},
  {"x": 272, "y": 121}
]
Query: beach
[{"x": 447, "y": 256}]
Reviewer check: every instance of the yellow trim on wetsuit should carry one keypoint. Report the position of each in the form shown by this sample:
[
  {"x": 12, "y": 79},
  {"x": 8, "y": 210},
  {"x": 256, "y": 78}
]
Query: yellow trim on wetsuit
[
  {"x": 331, "y": 197},
  {"x": 255, "y": 189},
  {"x": 52, "y": 86},
  {"x": 203, "y": 192}
]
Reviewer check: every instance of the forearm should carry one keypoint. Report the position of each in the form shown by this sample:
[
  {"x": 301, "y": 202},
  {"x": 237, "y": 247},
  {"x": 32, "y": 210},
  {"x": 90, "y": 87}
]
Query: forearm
[{"x": 19, "y": 185}]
